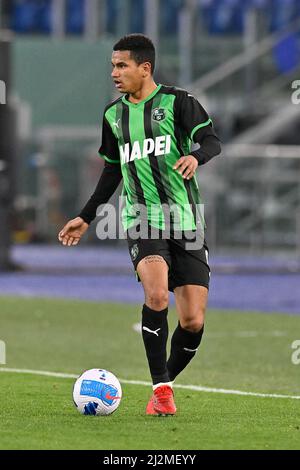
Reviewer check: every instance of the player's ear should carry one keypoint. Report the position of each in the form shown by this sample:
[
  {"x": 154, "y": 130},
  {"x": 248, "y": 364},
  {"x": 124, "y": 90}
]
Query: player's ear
[{"x": 146, "y": 69}]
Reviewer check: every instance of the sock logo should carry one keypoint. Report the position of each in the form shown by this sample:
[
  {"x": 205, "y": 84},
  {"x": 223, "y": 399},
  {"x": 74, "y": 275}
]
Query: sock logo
[
  {"x": 154, "y": 332},
  {"x": 190, "y": 350}
]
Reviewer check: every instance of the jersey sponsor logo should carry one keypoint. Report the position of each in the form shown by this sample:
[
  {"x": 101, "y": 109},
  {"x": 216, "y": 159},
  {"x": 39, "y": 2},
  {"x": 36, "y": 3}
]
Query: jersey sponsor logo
[
  {"x": 159, "y": 114},
  {"x": 160, "y": 146}
]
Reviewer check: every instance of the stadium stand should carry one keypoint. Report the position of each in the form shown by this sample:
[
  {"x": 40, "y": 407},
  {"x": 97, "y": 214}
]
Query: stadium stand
[
  {"x": 220, "y": 17},
  {"x": 75, "y": 16},
  {"x": 31, "y": 16}
]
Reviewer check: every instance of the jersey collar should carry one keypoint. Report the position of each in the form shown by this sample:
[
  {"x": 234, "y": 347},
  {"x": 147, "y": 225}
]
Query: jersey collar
[{"x": 125, "y": 100}]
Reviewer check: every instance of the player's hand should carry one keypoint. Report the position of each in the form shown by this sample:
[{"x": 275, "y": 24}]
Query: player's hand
[
  {"x": 72, "y": 232},
  {"x": 186, "y": 166}
]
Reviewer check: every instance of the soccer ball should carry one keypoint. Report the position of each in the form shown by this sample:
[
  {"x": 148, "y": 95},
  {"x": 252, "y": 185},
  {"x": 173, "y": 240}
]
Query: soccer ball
[{"x": 97, "y": 392}]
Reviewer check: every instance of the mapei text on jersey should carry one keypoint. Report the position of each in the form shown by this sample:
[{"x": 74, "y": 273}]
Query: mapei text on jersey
[{"x": 156, "y": 147}]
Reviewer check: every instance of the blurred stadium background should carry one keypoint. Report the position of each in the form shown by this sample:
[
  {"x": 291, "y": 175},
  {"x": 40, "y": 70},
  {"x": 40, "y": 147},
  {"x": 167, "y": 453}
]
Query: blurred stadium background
[{"x": 240, "y": 58}]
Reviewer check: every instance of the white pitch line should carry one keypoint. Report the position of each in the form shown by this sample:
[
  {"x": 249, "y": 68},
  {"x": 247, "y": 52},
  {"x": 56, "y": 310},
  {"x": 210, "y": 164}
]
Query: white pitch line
[
  {"x": 40, "y": 372},
  {"x": 196, "y": 388}
]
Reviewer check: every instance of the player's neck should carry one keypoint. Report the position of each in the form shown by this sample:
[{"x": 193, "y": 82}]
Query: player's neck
[{"x": 143, "y": 93}]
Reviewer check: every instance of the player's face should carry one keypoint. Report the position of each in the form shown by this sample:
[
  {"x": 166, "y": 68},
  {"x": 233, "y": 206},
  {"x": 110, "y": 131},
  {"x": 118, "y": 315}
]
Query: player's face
[{"x": 127, "y": 74}]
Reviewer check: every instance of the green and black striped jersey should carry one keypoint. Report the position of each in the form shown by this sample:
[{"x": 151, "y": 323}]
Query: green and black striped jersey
[{"x": 147, "y": 139}]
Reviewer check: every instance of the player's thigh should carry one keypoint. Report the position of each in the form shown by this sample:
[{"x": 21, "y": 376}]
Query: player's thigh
[
  {"x": 191, "y": 302},
  {"x": 151, "y": 260},
  {"x": 153, "y": 273}
]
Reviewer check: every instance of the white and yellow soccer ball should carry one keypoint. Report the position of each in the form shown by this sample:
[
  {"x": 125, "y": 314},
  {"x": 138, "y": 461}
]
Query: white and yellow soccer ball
[{"x": 97, "y": 392}]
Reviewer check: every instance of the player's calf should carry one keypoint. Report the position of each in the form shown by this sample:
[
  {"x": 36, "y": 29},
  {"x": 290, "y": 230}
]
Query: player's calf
[{"x": 184, "y": 346}]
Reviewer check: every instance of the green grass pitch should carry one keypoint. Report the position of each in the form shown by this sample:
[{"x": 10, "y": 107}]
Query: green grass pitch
[{"x": 240, "y": 351}]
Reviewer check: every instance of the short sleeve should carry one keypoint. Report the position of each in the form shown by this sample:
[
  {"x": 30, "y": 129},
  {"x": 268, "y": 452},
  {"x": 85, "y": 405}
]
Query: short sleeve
[
  {"x": 191, "y": 115},
  {"x": 109, "y": 149}
]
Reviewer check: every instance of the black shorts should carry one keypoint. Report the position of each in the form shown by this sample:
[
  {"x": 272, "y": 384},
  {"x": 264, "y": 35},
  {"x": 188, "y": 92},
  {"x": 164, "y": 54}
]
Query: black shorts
[{"x": 185, "y": 266}]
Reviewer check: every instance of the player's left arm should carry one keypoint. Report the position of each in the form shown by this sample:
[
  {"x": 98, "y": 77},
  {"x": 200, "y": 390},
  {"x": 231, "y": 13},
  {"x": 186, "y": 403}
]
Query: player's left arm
[{"x": 193, "y": 118}]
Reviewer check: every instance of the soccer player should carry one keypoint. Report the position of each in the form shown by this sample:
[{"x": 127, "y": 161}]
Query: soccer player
[{"x": 146, "y": 141}]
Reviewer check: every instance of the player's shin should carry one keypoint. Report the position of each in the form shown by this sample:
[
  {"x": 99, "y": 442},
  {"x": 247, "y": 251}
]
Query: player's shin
[
  {"x": 184, "y": 345},
  {"x": 155, "y": 335}
]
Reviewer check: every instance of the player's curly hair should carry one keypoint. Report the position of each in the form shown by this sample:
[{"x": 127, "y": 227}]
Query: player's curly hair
[{"x": 140, "y": 46}]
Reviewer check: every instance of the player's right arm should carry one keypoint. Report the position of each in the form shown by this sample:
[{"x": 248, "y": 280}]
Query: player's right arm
[{"x": 110, "y": 179}]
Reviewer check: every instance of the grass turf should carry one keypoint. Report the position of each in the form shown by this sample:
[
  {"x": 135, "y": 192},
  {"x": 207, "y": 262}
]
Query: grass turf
[{"x": 245, "y": 351}]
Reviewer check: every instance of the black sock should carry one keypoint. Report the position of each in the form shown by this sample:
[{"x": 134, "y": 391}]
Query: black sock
[
  {"x": 155, "y": 335},
  {"x": 184, "y": 345}
]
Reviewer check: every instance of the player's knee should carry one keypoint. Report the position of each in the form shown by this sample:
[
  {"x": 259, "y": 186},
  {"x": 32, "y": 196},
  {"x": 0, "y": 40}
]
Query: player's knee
[
  {"x": 193, "y": 326},
  {"x": 157, "y": 299},
  {"x": 193, "y": 323}
]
